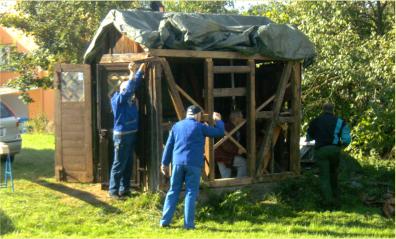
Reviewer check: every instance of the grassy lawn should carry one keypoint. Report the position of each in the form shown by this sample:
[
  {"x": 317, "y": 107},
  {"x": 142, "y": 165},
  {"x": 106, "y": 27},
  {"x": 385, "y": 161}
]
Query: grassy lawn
[{"x": 43, "y": 208}]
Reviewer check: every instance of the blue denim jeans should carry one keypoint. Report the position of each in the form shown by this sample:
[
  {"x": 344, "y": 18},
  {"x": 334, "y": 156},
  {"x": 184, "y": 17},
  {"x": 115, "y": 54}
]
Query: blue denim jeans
[
  {"x": 121, "y": 170},
  {"x": 190, "y": 176}
]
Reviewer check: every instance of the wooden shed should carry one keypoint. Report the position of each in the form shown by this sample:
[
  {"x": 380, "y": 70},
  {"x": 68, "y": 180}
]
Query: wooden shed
[{"x": 265, "y": 88}]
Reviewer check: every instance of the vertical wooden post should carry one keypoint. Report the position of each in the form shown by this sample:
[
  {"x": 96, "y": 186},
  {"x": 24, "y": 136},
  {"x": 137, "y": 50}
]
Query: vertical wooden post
[
  {"x": 155, "y": 109},
  {"x": 209, "y": 105},
  {"x": 158, "y": 104},
  {"x": 251, "y": 118},
  {"x": 58, "y": 126},
  {"x": 295, "y": 125}
]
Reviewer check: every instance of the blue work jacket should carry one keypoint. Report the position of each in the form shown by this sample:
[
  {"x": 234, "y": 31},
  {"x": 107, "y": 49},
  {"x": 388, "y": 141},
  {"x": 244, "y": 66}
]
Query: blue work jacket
[
  {"x": 186, "y": 141},
  {"x": 124, "y": 108}
]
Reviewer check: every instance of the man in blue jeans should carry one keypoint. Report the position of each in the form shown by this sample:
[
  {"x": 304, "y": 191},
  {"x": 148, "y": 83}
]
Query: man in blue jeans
[
  {"x": 124, "y": 133},
  {"x": 185, "y": 148}
]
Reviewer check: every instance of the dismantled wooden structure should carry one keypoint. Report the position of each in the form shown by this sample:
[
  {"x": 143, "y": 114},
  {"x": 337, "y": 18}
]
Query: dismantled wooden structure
[{"x": 267, "y": 91}]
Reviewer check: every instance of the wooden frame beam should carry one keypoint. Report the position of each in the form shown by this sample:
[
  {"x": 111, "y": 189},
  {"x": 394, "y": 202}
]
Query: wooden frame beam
[
  {"x": 209, "y": 106},
  {"x": 296, "y": 124},
  {"x": 230, "y": 69},
  {"x": 204, "y": 54},
  {"x": 278, "y": 100},
  {"x": 174, "y": 93},
  {"x": 227, "y": 92},
  {"x": 251, "y": 118}
]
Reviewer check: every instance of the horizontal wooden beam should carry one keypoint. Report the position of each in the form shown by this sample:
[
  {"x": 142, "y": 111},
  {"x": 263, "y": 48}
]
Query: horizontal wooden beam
[
  {"x": 229, "y": 182},
  {"x": 204, "y": 54},
  {"x": 126, "y": 57},
  {"x": 231, "y": 69},
  {"x": 270, "y": 114},
  {"x": 226, "y": 92}
]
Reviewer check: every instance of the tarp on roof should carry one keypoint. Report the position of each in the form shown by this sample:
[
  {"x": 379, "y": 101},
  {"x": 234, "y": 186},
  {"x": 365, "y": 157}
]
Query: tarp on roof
[{"x": 191, "y": 31}]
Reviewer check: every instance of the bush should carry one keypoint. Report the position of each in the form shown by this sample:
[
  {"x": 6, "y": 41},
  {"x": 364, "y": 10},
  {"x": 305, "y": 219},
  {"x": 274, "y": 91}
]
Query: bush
[{"x": 39, "y": 124}]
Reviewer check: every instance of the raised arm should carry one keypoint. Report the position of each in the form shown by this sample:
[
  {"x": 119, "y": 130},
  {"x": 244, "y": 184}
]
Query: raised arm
[
  {"x": 216, "y": 131},
  {"x": 134, "y": 82}
]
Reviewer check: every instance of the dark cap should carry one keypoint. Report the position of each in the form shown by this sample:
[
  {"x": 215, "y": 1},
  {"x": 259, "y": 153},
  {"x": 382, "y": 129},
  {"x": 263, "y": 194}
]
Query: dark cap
[
  {"x": 193, "y": 110},
  {"x": 328, "y": 108}
]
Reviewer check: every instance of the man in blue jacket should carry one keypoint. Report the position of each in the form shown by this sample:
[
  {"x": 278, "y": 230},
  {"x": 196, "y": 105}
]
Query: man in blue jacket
[
  {"x": 330, "y": 134},
  {"x": 185, "y": 149},
  {"x": 124, "y": 133}
]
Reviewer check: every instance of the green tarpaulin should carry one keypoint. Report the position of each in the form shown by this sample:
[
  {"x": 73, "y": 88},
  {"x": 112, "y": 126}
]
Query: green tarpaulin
[{"x": 191, "y": 31}]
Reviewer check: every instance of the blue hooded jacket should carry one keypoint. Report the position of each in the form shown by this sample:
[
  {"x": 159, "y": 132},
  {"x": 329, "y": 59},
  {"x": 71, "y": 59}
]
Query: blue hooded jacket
[
  {"x": 124, "y": 108},
  {"x": 186, "y": 141}
]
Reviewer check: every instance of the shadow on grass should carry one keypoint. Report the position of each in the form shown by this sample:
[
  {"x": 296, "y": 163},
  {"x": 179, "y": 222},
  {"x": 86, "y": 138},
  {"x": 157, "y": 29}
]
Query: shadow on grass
[
  {"x": 79, "y": 194},
  {"x": 6, "y": 225},
  {"x": 32, "y": 164}
]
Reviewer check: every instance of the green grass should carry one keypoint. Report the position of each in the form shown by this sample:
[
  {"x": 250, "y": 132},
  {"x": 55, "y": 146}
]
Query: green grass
[{"x": 43, "y": 208}]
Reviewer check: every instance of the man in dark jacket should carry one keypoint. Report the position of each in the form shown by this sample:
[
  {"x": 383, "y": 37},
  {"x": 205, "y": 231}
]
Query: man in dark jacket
[
  {"x": 330, "y": 134},
  {"x": 185, "y": 149},
  {"x": 124, "y": 133}
]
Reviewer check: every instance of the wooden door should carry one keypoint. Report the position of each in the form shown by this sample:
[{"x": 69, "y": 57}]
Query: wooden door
[{"x": 73, "y": 149}]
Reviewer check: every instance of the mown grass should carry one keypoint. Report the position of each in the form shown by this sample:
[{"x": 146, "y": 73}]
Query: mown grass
[{"x": 41, "y": 207}]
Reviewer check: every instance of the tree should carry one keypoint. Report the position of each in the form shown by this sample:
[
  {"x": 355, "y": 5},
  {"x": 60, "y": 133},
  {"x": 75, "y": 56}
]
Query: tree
[
  {"x": 61, "y": 29},
  {"x": 198, "y": 6},
  {"x": 354, "y": 67}
]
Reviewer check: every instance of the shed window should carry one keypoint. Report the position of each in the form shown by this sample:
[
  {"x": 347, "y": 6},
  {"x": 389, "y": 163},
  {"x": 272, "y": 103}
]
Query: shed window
[{"x": 72, "y": 86}]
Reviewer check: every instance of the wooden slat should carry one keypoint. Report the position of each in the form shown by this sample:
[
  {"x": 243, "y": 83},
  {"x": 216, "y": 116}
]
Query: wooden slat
[
  {"x": 128, "y": 57},
  {"x": 73, "y": 128},
  {"x": 73, "y": 151},
  {"x": 226, "y": 92},
  {"x": 78, "y": 144},
  {"x": 295, "y": 126},
  {"x": 230, "y": 69},
  {"x": 251, "y": 118},
  {"x": 188, "y": 97},
  {"x": 209, "y": 106},
  {"x": 265, "y": 146},
  {"x": 229, "y": 182},
  {"x": 229, "y": 134},
  {"x": 72, "y": 135},
  {"x": 204, "y": 54},
  {"x": 175, "y": 96},
  {"x": 270, "y": 115}
]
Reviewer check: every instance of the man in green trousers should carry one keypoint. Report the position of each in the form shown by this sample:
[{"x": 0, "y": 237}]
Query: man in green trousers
[{"x": 330, "y": 133}]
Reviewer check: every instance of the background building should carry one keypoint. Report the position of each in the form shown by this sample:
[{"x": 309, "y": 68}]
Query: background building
[{"x": 43, "y": 100}]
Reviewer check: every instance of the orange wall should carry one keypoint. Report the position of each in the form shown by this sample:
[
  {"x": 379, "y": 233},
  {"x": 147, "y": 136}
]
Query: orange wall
[
  {"x": 7, "y": 39},
  {"x": 44, "y": 100},
  {"x": 44, "y": 103}
]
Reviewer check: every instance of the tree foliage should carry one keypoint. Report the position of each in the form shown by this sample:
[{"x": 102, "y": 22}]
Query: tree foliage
[
  {"x": 354, "y": 68},
  {"x": 198, "y": 6},
  {"x": 61, "y": 29}
]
